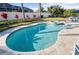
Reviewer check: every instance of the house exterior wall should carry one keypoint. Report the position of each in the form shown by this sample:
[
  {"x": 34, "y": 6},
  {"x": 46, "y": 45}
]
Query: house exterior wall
[
  {"x": 46, "y": 14},
  {"x": 19, "y": 15}
]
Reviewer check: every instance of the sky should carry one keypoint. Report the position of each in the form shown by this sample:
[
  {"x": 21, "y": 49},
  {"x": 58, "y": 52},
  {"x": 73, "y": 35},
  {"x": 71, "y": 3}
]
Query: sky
[{"x": 35, "y": 6}]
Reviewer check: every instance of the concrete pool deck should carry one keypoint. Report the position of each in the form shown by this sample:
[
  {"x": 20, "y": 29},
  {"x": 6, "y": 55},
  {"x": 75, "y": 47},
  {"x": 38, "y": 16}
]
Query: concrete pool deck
[{"x": 63, "y": 46}]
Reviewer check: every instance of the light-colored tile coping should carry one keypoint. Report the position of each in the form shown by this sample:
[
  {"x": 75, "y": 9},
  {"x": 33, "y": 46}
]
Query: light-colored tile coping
[{"x": 63, "y": 46}]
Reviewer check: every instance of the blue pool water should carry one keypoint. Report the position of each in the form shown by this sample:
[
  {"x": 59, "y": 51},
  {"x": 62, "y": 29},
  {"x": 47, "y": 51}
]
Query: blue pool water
[{"x": 33, "y": 38}]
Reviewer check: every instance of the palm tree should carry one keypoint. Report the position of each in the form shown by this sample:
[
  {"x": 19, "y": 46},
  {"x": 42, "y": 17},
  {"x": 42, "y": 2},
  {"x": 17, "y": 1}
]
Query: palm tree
[
  {"x": 40, "y": 9},
  {"x": 56, "y": 10},
  {"x": 22, "y": 7}
]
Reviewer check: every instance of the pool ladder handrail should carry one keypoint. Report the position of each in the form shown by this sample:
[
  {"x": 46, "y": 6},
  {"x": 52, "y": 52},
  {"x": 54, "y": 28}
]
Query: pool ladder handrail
[{"x": 76, "y": 46}]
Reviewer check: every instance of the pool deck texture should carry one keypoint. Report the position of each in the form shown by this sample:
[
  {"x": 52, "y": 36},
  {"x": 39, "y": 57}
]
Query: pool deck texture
[{"x": 63, "y": 46}]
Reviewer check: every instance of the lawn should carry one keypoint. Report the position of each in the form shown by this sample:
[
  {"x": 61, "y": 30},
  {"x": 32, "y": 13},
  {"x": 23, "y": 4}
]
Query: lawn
[{"x": 54, "y": 19}]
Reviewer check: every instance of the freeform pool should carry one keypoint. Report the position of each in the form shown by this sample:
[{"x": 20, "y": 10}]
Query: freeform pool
[{"x": 33, "y": 38}]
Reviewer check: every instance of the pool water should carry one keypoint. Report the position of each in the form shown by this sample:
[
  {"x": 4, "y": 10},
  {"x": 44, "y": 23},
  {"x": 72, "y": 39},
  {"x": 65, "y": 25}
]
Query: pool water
[{"x": 33, "y": 38}]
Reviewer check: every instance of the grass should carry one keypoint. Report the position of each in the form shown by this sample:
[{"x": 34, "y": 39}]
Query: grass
[
  {"x": 3, "y": 28},
  {"x": 54, "y": 19},
  {"x": 4, "y": 25}
]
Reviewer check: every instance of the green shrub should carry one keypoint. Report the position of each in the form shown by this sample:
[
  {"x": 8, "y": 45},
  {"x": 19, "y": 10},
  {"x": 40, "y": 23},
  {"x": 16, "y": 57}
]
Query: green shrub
[{"x": 9, "y": 22}]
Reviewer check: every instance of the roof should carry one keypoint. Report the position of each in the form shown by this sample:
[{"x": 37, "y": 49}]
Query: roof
[{"x": 7, "y": 5}]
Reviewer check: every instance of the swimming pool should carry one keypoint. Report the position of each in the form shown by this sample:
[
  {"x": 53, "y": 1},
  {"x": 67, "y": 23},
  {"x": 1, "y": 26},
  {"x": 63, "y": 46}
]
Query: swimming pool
[{"x": 33, "y": 38}]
